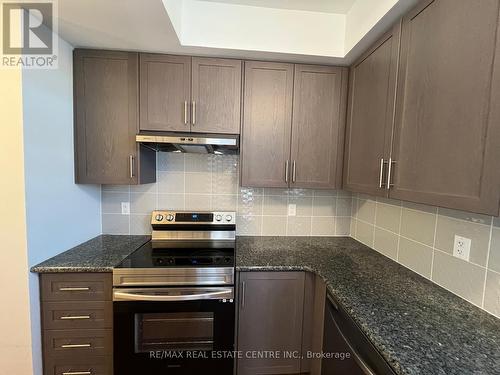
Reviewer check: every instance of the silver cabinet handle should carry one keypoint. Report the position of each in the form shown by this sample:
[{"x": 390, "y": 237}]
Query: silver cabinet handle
[
  {"x": 131, "y": 165},
  {"x": 388, "y": 183},
  {"x": 294, "y": 172},
  {"x": 381, "y": 177},
  {"x": 74, "y": 289},
  {"x": 185, "y": 112},
  {"x": 287, "y": 170},
  {"x": 75, "y": 346},
  {"x": 74, "y": 317},
  {"x": 193, "y": 113},
  {"x": 77, "y": 373},
  {"x": 243, "y": 287}
]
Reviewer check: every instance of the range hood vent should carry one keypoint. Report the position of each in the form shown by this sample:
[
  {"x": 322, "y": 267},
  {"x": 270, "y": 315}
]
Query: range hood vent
[{"x": 218, "y": 144}]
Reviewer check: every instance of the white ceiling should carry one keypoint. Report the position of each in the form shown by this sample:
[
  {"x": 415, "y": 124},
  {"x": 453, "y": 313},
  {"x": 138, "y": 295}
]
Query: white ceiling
[
  {"x": 199, "y": 28},
  {"x": 327, "y": 6}
]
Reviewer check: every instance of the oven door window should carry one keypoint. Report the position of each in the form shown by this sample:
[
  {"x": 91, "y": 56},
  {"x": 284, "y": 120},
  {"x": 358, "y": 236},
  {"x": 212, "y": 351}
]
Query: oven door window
[{"x": 176, "y": 331}]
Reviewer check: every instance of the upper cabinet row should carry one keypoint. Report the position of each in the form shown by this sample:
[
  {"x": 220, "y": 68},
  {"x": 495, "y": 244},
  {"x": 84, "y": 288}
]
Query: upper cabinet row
[
  {"x": 293, "y": 125},
  {"x": 423, "y": 118},
  {"x": 180, "y": 93},
  {"x": 118, "y": 94}
]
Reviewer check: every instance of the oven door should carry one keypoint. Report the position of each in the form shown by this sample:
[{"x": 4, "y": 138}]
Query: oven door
[{"x": 173, "y": 330}]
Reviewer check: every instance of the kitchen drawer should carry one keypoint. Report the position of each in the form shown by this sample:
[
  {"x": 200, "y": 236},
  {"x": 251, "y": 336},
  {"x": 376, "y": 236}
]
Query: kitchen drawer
[
  {"x": 78, "y": 343},
  {"x": 85, "y": 366},
  {"x": 76, "y": 287},
  {"x": 75, "y": 315}
]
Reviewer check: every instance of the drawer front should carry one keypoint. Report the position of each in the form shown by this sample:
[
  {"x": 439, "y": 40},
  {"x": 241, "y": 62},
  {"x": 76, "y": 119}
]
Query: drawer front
[
  {"x": 87, "y": 366},
  {"x": 76, "y": 287},
  {"x": 75, "y": 315},
  {"x": 78, "y": 343}
]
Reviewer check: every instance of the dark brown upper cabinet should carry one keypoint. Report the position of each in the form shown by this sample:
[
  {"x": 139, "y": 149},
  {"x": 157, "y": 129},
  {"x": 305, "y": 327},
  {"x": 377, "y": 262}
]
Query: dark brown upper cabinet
[
  {"x": 319, "y": 101},
  {"x": 267, "y": 121},
  {"x": 180, "y": 93},
  {"x": 216, "y": 96},
  {"x": 165, "y": 95},
  {"x": 303, "y": 153},
  {"x": 106, "y": 120},
  {"x": 370, "y": 118},
  {"x": 446, "y": 145}
]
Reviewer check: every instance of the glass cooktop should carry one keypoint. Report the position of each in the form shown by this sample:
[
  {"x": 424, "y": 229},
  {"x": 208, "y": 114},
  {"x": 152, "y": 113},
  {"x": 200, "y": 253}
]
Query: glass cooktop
[{"x": 181, "y": 254}]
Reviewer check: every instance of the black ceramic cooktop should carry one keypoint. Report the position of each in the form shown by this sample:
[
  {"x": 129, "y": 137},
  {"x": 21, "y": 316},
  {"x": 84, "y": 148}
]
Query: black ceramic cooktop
[{"x": 181, "y": 254}]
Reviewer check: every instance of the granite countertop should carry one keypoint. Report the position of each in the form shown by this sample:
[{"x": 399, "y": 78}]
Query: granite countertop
[
  {"x": 100, "y": 254},
  {"x": 417, "y": 326}
]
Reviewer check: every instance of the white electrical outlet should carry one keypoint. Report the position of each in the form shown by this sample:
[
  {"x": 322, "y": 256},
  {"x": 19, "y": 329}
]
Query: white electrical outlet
[
  {"x": 461, "y": 248},
  {"x": 125, "y": 208},
  {"x": 292, "y": 209}
]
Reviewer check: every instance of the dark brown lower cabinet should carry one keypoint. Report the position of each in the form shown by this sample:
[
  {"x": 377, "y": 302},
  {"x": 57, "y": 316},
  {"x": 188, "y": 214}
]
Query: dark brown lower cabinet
[
  {"x": 276, "y": 322},
  {"x": 77, "y": 323}
]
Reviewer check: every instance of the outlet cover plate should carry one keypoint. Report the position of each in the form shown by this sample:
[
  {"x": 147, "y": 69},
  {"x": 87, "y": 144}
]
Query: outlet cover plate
[
  {"x": 125, "y": 208},
  {"x": 292, "y": 209},
  {"x": 461, "y": 247}
]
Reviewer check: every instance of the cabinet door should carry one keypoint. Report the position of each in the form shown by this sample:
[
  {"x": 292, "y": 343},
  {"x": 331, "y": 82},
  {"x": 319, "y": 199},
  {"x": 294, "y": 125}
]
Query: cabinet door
[
  {"x": 267, "y": 122},
  {"x": 106, "y": 119},
  {"x": 270, "y": 318},
  {"x": 370, "y": 118},
  {"x": 319, "y": 101},
  {"x": 447, "y": 135},
  {"x": 216, "y": 96},
  {"x": 165, "y": 92}
]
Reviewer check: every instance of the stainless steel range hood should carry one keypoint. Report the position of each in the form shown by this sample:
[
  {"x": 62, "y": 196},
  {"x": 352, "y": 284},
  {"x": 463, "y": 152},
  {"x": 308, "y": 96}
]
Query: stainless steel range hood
[{"x": 219, "y": 144}]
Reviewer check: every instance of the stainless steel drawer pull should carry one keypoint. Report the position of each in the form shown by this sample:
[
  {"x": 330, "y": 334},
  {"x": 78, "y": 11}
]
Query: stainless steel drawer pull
[
  {"x": 75, "y": 346},
  {"x": 131, "y": 165},
  {"x": 381, "y": 177},
  {"x": 75, "y": 317},
  {"x": 74, "y": 289},
  {"x": 77, "y": 373},
  {"x": 287, "y": 170},
  {"x": 193, "y": 113},
  {"x": 185, "y": 112},
  {"x": 389, "y": 174}
]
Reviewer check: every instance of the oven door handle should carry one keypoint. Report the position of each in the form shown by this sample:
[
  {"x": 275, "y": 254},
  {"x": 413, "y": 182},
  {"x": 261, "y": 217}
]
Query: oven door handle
[{"x": 172, "y": 294}]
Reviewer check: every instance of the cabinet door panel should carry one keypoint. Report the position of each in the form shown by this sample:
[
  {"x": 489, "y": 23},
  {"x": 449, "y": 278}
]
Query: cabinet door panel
[
  {"x": 165, "y": 92},
  {"x": 216, "y": 92},
  {"x": 447, "y": 135},
  {"x": 266, "y": 124},
  {"x": 370, "y": 119},
  {"x": 318, "y": 126},
  {"x": 105, "y": 89},
  {"x": 270, "y": 318}
]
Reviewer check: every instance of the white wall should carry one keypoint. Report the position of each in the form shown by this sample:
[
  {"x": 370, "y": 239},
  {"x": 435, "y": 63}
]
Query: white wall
[
  {"x": 59, "y": 213},
  {"x": 15, "y": 340},
  {"x": 240, "y": 27}
]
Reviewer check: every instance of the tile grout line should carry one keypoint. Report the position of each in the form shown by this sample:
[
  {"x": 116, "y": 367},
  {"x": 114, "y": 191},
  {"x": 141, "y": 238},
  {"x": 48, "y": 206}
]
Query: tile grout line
[
  {"x": 434, "y": 243},
  {"x": 487, "y": 263}
]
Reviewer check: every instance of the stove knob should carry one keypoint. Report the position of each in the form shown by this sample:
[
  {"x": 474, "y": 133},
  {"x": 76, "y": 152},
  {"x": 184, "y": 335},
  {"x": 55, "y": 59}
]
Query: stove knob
[
  {"x": 218, "y": 217},
  {"x": 159, "y": 217},
  {"x": 229, "y": 218},
  {"x": 170, "y": 217}
]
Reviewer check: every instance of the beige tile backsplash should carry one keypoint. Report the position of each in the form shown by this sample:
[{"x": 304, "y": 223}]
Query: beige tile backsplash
[
  {"x": 205, "y": 182},
  {"x": 421, "y": 238}
]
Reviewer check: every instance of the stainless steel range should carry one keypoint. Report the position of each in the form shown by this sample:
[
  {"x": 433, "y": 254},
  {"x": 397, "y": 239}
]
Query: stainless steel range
[{"x": 173, "y": 298}]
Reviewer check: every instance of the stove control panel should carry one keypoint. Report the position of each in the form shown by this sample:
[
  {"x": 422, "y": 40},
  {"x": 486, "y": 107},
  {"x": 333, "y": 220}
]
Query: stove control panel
[{"x": 190, "y": 217}]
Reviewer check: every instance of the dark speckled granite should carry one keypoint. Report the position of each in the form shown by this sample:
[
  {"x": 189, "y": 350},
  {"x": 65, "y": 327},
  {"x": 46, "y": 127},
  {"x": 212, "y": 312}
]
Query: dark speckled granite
[
  {"x": 99, "y": 254},
  {"x": 418, "y": 327}
]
